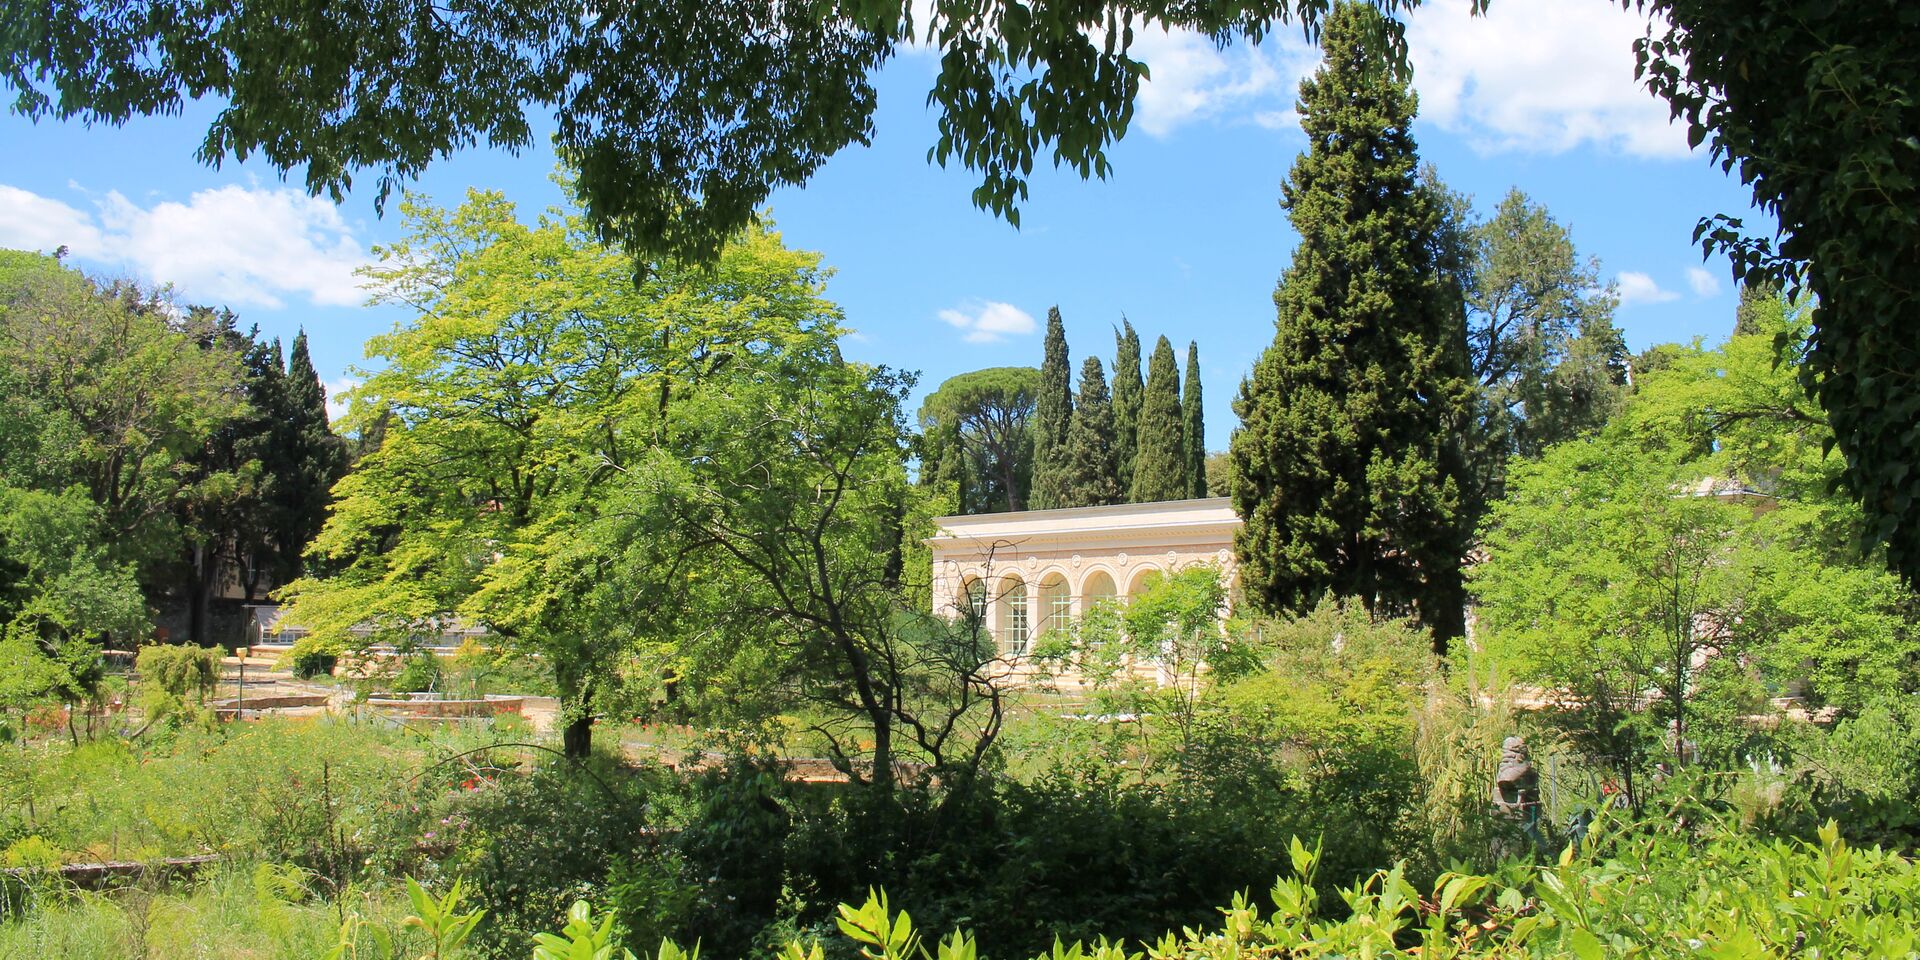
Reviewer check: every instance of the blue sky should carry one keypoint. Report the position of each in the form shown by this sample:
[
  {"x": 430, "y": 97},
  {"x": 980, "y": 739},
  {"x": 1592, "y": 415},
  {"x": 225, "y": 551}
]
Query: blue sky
[{"x": 1186, "y": 239}]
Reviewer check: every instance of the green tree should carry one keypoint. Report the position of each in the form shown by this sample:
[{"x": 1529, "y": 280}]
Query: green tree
[
  {"x": 107, "y": 388},
  {"x": 1547, "y": 359},
  {"x": 1699, "y": 531},
  {"x": 535, "y": 370},
  {"x": 1128, "y": 391},
  {"x": 1090, "y": 465},
  {"x": 683, "y": 117},
  {"x": 1823, "y": 135},
  {"x": 1345, "y": 467},
  {"x": 992, "y": 410},
  {"x": 786, "y": 573},
  {"x": 1160, "y": 461},
  {"x": 1196, "y": 426},
  {"x": 311, "y": 459},
  {"x": 1053, "y": 412}
]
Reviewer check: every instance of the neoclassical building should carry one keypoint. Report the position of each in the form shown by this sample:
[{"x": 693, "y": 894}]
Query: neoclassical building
[{"x": 1036, "y": 570}]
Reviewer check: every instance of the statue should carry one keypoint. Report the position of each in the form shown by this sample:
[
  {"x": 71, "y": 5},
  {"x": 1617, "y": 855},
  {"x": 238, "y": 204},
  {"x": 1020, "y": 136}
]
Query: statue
[{"x": 1516, "y": 795}]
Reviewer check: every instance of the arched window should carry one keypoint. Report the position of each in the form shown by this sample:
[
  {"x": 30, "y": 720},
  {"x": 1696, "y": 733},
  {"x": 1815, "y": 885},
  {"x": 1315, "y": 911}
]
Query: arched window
[
  {"x": 1142, "y": 582},
  {"x": 1097, "y": 589},
  {"x": 1016, "y": 624},
  {"x": 1056, "y": 604},
  {"x": 973, "y": 599}
]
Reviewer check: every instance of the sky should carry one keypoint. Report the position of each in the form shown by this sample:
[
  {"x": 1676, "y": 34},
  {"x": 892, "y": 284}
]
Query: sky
[{"x": 1186, "y": 239}]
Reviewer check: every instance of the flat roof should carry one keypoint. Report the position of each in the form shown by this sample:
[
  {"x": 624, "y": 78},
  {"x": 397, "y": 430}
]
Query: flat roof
[{"x": 1159, "y": 515}]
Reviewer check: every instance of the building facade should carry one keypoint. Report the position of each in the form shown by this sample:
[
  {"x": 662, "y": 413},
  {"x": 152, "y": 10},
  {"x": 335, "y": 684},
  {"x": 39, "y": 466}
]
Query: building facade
[{"x": 1035, "y": 571}]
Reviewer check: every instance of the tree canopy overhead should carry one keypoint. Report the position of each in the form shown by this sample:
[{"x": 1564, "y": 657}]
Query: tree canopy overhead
[{"x": 680, "y": 117}]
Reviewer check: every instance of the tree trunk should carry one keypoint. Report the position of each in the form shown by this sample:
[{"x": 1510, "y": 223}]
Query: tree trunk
[
  {"x": 576, "y": 740},
  {"x": 883, "y": 756}
]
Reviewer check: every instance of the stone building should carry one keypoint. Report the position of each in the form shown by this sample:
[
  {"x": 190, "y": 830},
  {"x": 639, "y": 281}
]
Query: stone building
[{"x": 1034, "y": 571}]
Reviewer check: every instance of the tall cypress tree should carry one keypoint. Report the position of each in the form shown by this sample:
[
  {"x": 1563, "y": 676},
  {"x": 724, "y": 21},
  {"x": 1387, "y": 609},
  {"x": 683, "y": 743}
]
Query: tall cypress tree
[
  {"x": 1090, "y": 463},
  {"x": 314, "y": 459},
  {"x": 1196, "y": 429},
  {"x": 1127, "y": 390},
  {"x": 1053, "y": 409},
  {"x": 1345, "y": 467},
  {"x": 1160, "y": 461}
]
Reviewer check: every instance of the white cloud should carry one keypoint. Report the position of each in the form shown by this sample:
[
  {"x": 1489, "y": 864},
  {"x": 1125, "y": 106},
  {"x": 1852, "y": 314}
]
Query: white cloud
[
  {"x": 337, "y": 401},
  {"x": 1191, "y": 78},
  {"x": 1539, "y": 75},
  {"x": 1703, "y": 282},
  {"x": 990, "y": 322},
  {"x": 1636, "y": 287},
  {"x": 233, "y": 245},
  {"x": 29, "y": 221}
]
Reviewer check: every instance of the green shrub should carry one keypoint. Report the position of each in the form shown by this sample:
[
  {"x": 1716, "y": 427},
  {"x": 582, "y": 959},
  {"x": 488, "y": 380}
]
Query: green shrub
[{"x": 308, "y": 659}]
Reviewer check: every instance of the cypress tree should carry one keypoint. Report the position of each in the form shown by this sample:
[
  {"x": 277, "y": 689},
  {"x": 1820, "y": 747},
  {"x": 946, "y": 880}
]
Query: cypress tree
[
  {"x": 1053, "y": 409},
  {"x": 313, "y": 458},
  {"x": 1127, "y": 390},
  {"x": 1160, "y": 460},
  {"x": 1345, "y": 467},
  {"x": 1196, "y": 429},
  {"x": 1089, "y": 463}
]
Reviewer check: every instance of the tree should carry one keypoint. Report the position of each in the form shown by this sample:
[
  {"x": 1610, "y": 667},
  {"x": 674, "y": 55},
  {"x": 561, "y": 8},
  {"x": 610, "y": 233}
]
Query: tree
[
  {"x": 1127, "y": 393},
  {"x": 535, "y": 369},
  {"x": 1547, "y": 359},
  {"x": 772, "y": 568},
  {"x": 1698, "y": 532},
  {"x": 681, "y": 119},
  {"x": 1822, "y": 133},
  {"x": 311, "y": 460},
  {"x": 1160, "y": 460},
  {"x": 1090, "y": 465},
  {"x": 992, "y": 410},
  {"x": 107, "y": 388},
  {"x": 1196, "y": 426},
  {"x": 1053, "y": 411},
  {"x": 1345, "y": 468}
]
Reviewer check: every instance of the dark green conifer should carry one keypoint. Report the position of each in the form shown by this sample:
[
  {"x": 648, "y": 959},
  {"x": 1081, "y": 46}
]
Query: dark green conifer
[
  {"x": 1127, "y": 389},
  {"x": 313, "y": 458},
  {"x": 1160, "y": 461},
  {"x": 1344, "y": 467},
  {"x": 1053, "y": 409},
  {"x": 1196, "y": 429},
  {"x": 1089, "y": 465}
]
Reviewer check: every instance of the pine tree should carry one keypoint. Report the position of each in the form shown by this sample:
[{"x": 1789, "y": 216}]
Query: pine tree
[
  {"x": 1127, "y": 389},
  {"x": 313, "y": 459},
  {"x": 1160, "y": 461},
  {"x": 1346, "y": 468},
  {"x": 1053, "y": 409},
  {"x": 1089, "y": 463},
  {"x": 1196, "y": 429}
]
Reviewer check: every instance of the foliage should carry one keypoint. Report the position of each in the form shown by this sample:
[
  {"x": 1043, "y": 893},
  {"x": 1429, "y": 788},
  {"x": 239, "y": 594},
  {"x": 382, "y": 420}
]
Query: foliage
[
  {"x": 1052, "y": 416},
  {"x": 1345, "y": 467},
  {"x": 1091, "y": 464},
  {"x": 1160, "y": 451},
  {"x": 1699, "y": 526},
  {"x": 988, "y": 413},
  {"x": 170, "y": 673},
  {"x": 1823, "y": 136},
  {"x": 1548, "y": 361},
  {"x": 1196, "y": 426},
  {"x": 784, "y": 581},
  {"x": 535, "y": 371},
  {"x": 1128, "y": 394}
]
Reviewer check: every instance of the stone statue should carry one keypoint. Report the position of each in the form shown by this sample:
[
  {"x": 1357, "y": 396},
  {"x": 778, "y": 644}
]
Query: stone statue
[
  {"x": 1516, "y": 788},
  {"x": 1516, "y": 799}
]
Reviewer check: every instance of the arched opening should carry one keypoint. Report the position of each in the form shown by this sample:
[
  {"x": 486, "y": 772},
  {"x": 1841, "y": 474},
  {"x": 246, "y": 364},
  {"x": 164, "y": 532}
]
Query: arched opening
[
  {"x": 972, "y": 601},
  {"x": 1143, "y": 581},
  {"x": 1016, "y": 621},
  {"x": 1097, "y": 590},
  {"x": 1056, "y": 604}
]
